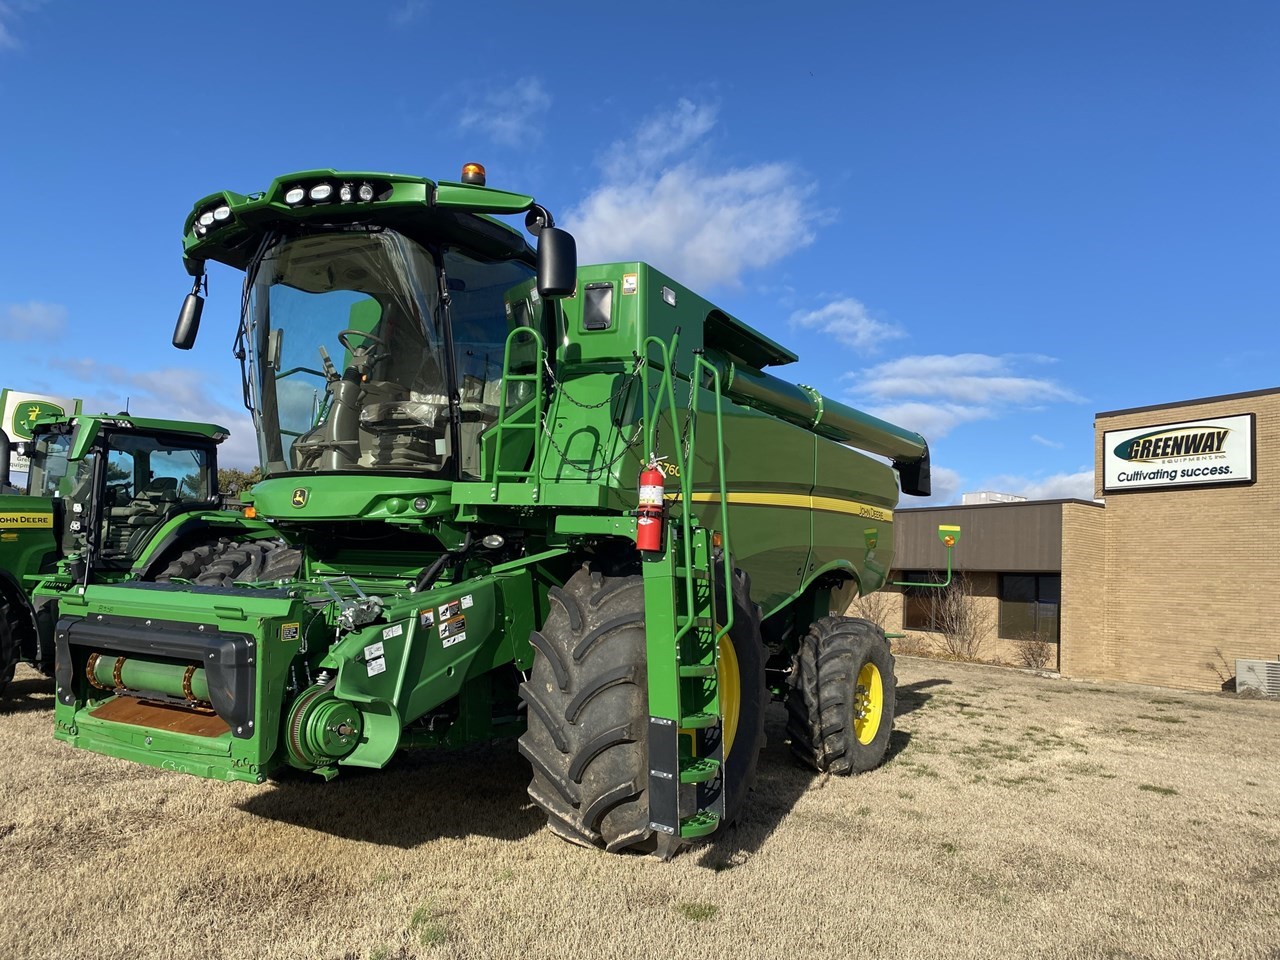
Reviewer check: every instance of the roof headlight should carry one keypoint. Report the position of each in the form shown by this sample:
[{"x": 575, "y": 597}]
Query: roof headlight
[
  {"x": 201, "y": 229},
  {"x": 322, "y": 191},
  {"x": 366, "y": 192},
  {"x": 295, "y": 195},
  {"x": 344, "y": 193},
  {"x": 221, "y": 213},
  {"x": 206, "y": 218}
]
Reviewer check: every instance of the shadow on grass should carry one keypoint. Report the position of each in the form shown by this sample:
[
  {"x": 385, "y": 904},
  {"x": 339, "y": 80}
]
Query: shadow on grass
[
  {"x": 421, "y": 796},
  {"x": 781, "y": 780},
  {"x": 26, "y": 695},
  {"x": 912, "y": 696}
]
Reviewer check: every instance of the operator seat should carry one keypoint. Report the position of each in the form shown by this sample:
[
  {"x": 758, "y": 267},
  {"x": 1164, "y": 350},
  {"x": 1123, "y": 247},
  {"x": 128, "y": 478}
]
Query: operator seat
[{"x": 128, "y": 525}]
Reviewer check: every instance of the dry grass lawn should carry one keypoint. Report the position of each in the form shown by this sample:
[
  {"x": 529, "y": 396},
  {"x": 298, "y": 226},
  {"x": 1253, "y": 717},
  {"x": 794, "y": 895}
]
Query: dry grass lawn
[{"x": 1017, "y": 817}]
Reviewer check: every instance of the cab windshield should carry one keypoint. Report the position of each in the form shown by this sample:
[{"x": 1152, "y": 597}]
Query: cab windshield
[{"x": 351, "y": 367}]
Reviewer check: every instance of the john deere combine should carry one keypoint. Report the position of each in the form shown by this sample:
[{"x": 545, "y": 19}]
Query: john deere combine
[
  {"x": 108, "y": 498},
  {"x": 513, "y": 498}
]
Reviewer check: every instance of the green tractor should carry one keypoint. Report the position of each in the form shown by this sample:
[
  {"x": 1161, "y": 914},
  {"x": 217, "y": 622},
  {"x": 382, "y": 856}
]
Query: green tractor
[
  {"x": 512, "y": 497},
  {"x": 108, "y": 499}
]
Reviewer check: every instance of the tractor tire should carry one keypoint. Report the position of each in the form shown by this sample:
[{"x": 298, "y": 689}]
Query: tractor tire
[
  {"x": 223, "y": 563},
  {"x": 8, "y": 647},
  {"x": 190, "y": 563},
  {"x": 840, "y": 706},
  {"x": 588, "y": 713}
]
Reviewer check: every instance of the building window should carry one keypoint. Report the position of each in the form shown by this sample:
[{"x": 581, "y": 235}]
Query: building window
[
  {"x": 1029, "y": 605},
  {"x": 920, "y": 607}
]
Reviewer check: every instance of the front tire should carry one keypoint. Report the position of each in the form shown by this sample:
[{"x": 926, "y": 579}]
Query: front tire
[
  {"x": 588, "y": 712},
  {"x": 843, "y": 696}
]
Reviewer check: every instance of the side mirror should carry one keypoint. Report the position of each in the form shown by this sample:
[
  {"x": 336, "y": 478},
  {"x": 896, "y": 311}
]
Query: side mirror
[
  {"x": 184, "y": 333},
  {"x": 557, "y": 263}
]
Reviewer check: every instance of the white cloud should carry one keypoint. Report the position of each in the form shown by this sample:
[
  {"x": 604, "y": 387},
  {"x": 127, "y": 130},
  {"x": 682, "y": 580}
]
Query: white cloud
[
  {"x": 172, "y": 394},
  {"x": 659, "y": 138},
  {"x": 848, "y": 321},
  {"x": 1059, "y": 486},
  {"x": 705, "y": 226},
  {"x": 931, "y": 420},
  {"x": 510, "y": 116},
  {"x": 936, "y": 393},
  {"x": 1046, "y": 442},
  {"x": 32, "y": 320},
  {"x": 962, "y": 378}
]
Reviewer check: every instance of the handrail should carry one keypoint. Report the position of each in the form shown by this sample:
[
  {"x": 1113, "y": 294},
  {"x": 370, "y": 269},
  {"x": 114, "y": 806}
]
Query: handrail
[
  {"x": 651, "y": 412},
  {"x": 701, "y": 363},
  {"x": 501, "y": 425}
]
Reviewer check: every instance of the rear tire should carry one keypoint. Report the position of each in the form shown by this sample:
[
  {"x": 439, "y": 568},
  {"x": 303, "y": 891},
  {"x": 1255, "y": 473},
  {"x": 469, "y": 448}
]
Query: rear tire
[
  {"x": 588, "y": 713},
  {"x": 190, "y": 563},
  {"x": 223, "y": 563},
  {"x": 837, "y": 721}
]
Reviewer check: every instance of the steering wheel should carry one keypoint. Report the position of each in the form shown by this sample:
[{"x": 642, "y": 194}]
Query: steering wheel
[{"x": 343, "y": 334}]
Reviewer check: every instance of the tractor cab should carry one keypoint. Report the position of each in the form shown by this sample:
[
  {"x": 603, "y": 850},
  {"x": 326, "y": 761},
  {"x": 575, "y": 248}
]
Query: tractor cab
[{"x": 111, "y": 481}]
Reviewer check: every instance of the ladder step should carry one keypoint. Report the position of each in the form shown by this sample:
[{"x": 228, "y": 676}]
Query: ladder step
[
  {"x": 698, "y": 721},
  {"x": 698, "y": 769},
  {"x": 699, "y": 825},
  {"x": 698, "y": 670}
]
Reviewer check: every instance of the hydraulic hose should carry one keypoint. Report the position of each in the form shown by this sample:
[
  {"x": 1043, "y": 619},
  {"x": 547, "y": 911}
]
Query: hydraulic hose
[{"x": 432, "y": 573}]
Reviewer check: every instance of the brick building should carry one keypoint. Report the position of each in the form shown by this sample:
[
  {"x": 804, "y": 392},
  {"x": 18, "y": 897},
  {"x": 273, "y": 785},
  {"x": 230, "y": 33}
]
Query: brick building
[{"x": 1168, "y": 577}]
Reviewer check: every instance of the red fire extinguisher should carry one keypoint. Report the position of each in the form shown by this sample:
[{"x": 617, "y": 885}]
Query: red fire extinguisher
[{"x": 651, "y": 507}]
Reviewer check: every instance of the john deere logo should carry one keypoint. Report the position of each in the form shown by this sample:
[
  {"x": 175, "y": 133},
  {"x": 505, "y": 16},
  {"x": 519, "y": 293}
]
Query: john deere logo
[
  {"x": 27, "y": 413},
  {"x": 1178, "y": 442},
  {"x": 300, "y": 497}
]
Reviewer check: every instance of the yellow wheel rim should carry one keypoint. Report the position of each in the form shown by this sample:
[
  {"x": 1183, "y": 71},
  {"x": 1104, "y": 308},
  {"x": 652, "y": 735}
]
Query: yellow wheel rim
[
  {"x": 730, "y": 681},
  {"x": 868, "y": 703}
]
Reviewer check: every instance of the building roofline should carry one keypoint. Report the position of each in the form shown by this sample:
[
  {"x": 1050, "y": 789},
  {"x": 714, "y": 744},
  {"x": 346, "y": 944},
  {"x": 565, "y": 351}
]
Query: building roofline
[
  {"x": 1190, "y": 403},
  {"x": 988, "y": 506}
]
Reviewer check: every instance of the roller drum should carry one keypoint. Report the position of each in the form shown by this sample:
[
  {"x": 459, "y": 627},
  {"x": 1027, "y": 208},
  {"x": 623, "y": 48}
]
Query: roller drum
[{"x": 132, "y": 675}]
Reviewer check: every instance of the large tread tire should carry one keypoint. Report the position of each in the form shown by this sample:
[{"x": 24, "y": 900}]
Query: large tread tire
[
  {"x": 8, "y": 648},
  {"x": 223, "y": 563},
  {"x": 190, "y": 563},
  {"x": 588, "y": 714},
  {"x": 822, "y": 699}
]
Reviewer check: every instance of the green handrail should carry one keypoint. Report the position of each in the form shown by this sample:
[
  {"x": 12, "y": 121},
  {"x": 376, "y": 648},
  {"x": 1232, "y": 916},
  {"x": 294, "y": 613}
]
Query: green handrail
[
  {"x": 701, "y": 363},
  {"x": 534, "y": 473}
]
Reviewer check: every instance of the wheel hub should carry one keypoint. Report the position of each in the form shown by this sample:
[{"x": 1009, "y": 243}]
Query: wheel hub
[{"x": 868, "y": 703}]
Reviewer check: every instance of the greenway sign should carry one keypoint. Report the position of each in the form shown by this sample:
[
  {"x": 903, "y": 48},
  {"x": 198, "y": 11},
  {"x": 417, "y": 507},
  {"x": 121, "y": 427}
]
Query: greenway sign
[
  {"x": 1219, "y": 450},
  {"x": 19, "y": 412}
]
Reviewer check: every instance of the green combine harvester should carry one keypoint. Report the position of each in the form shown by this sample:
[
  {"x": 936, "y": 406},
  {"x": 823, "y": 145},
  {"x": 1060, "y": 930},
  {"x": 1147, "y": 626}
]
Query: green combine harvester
[
  {"x": 511, "y": 497},
  {"x": 108, "y": 499}
]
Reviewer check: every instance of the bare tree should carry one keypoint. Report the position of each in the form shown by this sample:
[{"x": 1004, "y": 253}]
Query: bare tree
[
  {"x": 961, "y": 619},
  {"x": 876, "y": 607},
  {"x": 1034, "y": 651}
]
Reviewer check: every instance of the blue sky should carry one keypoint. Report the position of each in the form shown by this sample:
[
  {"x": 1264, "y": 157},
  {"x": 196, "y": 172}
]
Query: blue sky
[{"x": 987, "y": 221}]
